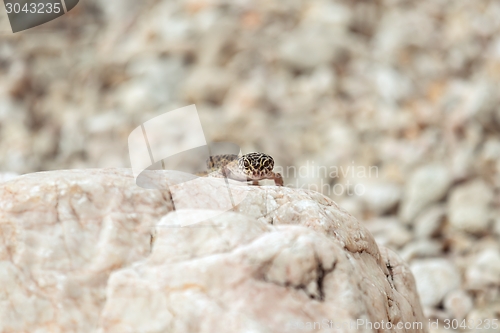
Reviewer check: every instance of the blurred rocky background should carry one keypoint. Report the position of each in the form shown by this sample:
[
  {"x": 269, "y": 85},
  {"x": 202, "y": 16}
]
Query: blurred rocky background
[{"x": 399, "y": 97}]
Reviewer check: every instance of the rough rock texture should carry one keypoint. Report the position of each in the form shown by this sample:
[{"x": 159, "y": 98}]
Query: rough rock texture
[
  {"x": 75, "y": 256},
  {"x": 62, "y": 233},
  {"x": 435, "y": 279}
]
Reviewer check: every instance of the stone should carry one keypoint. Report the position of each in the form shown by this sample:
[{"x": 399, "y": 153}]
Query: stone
[
  {"x": 421, "y": 248},
  {"x": 234, "y": 259},
  {"x": 469, "y": 207},
  {"x": 62, "y": 234},
  {"x": 484, "y": 269},
  {"x": 5, "y": 176},
  {"x": 479, "y": 317},
  {"x": 435, "y": 278},
  {"x": 389, "y": 232},
  {"x": 77, "y": 255},
  {"x": 462, "y": 165},
  {"x": 458, "y": 303},
  {"x": 429, "y": 223},
  {"x": 392, "y": 86},
  {"x": 426, "y": 186},
  {"x": 381, "y": 197}
]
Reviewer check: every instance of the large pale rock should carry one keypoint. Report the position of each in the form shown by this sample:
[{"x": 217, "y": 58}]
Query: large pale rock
[
  {"x": 75, "y": 255},
  {"x": 61, "y": 234}
]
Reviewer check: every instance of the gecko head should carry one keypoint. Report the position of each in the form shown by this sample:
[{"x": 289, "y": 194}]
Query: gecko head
[{"x": 256, "y": 165}]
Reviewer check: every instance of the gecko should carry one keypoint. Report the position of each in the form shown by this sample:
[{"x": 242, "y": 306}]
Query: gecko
[{"x": 249, "y": 167}]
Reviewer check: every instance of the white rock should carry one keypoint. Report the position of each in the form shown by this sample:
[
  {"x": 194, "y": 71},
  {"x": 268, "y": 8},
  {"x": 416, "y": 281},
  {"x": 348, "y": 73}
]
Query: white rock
[
  {"x": 435, "y": 278},
  {"x": 284, "y": 257},
  {"x": 480, "y": 316},
  {"x": 469, "y": 207},
  {"x": 389, "y": 232},
  {"x": 6, "y": 176},
  {"x": 381, "y": 197},
  {"x": 392, "y": 86},
  {"x": 428, "y": 224},
  {"x": 458, "y": 303},
  {"x": 194, "y": 273},
  {"x": 421, "y": 248},
  {"x": 462, "y": 165},
  {"x": 484, "y": 269},
  {"x": 427, "y": 185},
  {"x": 63, "y": 233}
]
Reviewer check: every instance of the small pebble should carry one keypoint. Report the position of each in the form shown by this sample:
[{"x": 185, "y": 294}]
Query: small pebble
[{"x": 435, "y": 278}]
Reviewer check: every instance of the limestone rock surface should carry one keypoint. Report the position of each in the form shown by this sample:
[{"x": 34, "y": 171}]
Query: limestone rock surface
[
  {"x": 61, "y": 234},
  {"x": 76, "y": 256}
]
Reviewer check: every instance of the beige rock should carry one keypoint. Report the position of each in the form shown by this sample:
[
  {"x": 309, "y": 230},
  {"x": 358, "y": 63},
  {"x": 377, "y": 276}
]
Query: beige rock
[
  {"x": 389, "y": 232},
  {"x": 430, "y": 221},
  {"x": 421, "y": 248},
  {"x": 435, "y": 278},
  {"x": 458, "y": 303},
  {"x": 284, "y": 258},
  {"x": 194, "y": 273},
  {"x": 484, "y": 269},
  {"x": 62, "y": 233},
  {"x": 381, "y": 197},
  {"x": 426, "y": 186},
  {"x": 469, "y": 207}
]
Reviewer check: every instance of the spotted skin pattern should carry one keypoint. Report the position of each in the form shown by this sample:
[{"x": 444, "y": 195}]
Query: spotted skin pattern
[
  {"x": 216, "y": 162},
  {"x": 249, "y": 167}
]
